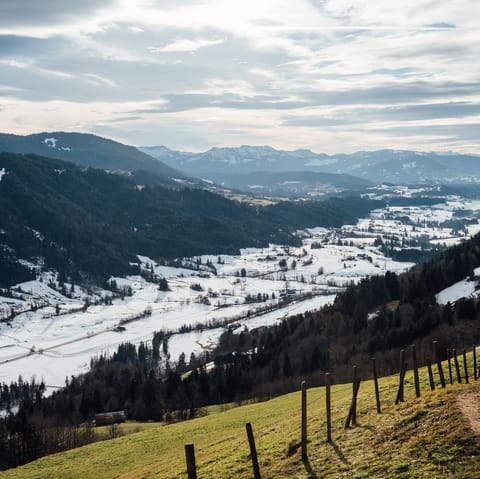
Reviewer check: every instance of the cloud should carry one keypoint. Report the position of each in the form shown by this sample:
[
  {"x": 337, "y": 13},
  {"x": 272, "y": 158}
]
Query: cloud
[
  {"x": 135, "y": 29},
  {"x": 184, "y": 46},
  {"x": 362, "y": 115},
  {"x": 330, "y": 75},
  {"x": 41, "y": 12},
  {"x": 185, "y": 102},
  {"x": 441, "y": 25},
  {"x": 99, "y": 80}
]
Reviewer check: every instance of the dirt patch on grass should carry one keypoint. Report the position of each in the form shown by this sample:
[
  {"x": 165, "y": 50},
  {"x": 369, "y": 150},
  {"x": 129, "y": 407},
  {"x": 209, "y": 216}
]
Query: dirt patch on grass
[{"x": 468, "y": 401}]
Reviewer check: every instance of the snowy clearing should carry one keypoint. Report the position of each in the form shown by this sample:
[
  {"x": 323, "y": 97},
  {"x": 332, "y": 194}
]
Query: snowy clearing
[{"x": 462, "y": 289}]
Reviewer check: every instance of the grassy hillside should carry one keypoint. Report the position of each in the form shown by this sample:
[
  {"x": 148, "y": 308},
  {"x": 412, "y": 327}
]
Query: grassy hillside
[{"x": 420, "y": 438}]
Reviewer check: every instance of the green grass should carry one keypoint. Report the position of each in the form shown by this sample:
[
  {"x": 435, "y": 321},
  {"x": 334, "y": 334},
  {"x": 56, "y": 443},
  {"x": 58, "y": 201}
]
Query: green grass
[
  {"x": 129, "y": 427},
  {"x": 132, "y": 427},
  {"x": 420, "y": 438}
]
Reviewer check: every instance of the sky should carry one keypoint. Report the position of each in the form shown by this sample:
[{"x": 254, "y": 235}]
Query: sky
[{"x": 329, "y": 75}]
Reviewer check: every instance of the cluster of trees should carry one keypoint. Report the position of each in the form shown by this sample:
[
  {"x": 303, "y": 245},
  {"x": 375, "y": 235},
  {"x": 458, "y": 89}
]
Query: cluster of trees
[
  {"x": 12, "y": 272},
  {"x": 22, "y": 440},
  {"x": 258, "y": 298},
  {"x": 415, "y": 250},
  {"x": 18, "y": 392},
  {"x": 18, "y": 437}
]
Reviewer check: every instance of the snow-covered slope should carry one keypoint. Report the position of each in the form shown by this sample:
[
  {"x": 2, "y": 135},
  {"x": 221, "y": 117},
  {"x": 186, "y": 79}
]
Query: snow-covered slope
[
  {"x": 462, "y": 289},
  {"x": 467, "y": 288}
]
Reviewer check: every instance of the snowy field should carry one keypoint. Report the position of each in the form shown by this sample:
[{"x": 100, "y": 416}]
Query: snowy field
[
  {"x": 467, "y": 288},
  {"x": 52, "y": 336}
]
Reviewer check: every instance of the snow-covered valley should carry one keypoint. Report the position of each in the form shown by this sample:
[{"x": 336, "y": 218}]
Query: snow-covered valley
[{"x": 51, "y": 336}]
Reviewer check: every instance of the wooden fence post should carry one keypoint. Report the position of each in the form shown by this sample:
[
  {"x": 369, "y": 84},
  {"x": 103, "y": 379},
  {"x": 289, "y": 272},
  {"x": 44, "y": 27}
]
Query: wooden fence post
[
  {"x": 402, "y": 377},
  {"x": 375, "y": 381},
  {"x": 353, "y": 406},
  {"x": 457, "y": 366},
  {"x": 449, "y": 357},
  {"x": 190, "y": 459},
  {"x": 354, "y": 396},
  {"x": 328, "y": 406},
  {"x": 465, "y": 365},
  {"x": 253, "y": 451},
  {"x": 304, "y": 419},
  {"x": 430, "y": 374},
  {"x": 475, "y": 371},
  {"x": 415, "y": 371},
  {"x": 439, "y": 364}
]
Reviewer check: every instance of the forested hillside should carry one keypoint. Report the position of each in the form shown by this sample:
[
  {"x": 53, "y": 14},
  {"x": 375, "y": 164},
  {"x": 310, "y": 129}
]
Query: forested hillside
[
  {"x": 90, "y": 151},
  {"x": 89, "y": 223}
]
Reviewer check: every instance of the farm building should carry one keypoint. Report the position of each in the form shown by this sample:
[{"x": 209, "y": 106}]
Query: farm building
[{"x": 113, "y": 417}]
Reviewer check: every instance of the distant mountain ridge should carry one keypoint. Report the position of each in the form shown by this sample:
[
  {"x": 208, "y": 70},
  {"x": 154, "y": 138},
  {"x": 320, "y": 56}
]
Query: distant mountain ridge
[
  {"x": 91, "y": 151},
  {"x": 291, "y": 184},
  {"x": 394, "y": 166}
]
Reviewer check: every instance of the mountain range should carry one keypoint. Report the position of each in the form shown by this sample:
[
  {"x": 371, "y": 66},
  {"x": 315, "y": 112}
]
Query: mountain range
[
  {"x": 392, "y": 166},
  {"x": 260, "y": 170}
]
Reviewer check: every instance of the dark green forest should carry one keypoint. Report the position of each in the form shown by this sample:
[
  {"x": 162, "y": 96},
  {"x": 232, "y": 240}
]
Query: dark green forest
[{"x": 89, "y": 224}]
